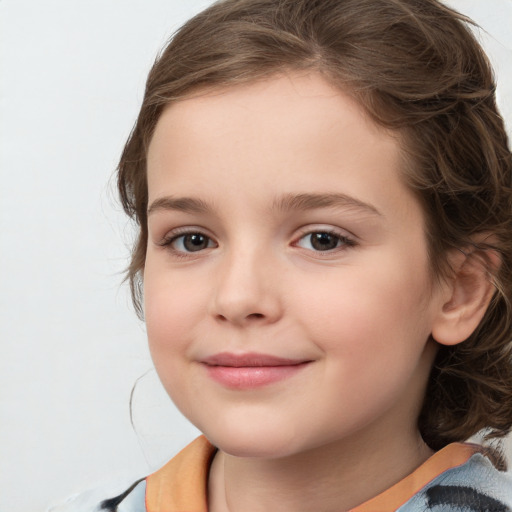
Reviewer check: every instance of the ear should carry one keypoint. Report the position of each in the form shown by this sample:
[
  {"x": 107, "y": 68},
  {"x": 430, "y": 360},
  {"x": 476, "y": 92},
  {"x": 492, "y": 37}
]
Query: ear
[{"x": 465, "y": 295}]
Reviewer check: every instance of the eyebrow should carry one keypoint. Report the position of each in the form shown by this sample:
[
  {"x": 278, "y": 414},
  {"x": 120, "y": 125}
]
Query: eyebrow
[
  {"x": 304, "y": 202},
  {"x": 182, "y": 204},
  {"x": 286, "y": 203}
]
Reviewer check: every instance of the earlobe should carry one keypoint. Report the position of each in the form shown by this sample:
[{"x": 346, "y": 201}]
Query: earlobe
[{"x": 466, "y": 296}]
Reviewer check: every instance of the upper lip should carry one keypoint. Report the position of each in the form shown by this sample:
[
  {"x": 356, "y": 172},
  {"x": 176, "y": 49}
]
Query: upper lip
[{"x": 250, "y": 359}]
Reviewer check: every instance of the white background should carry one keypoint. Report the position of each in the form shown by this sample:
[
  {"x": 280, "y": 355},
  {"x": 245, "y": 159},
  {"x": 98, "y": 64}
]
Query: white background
[{"x": 72, "y": 76}]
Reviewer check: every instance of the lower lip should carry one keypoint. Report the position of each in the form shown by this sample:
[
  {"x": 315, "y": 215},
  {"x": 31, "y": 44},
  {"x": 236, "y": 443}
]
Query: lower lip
[{"x": 248, "y": 377}]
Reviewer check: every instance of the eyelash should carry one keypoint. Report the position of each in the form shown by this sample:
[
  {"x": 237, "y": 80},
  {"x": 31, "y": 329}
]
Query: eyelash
[
  {"x": 168, "y": 241},
  {"x": 344, "y": 240},
  {"x": 172, "y": 237}
]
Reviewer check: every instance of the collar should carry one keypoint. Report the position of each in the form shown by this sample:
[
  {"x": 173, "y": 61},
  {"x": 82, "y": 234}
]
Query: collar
[{"x": 181, "y": 485}]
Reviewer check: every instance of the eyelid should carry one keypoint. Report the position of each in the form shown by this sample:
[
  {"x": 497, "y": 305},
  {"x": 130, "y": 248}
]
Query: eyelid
[
  {"x": 324, "y": 228},
  {"x": 184, "y": 230}
]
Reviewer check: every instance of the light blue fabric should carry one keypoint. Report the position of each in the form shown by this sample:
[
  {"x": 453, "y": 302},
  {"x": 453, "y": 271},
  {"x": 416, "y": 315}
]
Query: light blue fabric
[
  {"x": 91, "y": 500},
  {"x": 478, "y": 475}
]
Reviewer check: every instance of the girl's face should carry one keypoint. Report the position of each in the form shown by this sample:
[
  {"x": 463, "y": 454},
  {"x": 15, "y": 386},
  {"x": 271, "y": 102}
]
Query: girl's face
[{"x": 287, "y": 293}]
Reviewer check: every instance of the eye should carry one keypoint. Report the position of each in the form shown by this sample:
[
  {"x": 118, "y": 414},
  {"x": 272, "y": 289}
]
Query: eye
[
  {"x": 324, "y": 241},
  {"x": 188, "y": 242}
]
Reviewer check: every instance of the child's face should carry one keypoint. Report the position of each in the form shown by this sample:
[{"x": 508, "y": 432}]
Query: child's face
[{"x": 279, "y": 228}]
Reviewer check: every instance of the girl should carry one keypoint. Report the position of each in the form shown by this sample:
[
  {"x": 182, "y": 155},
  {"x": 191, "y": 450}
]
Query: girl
[{"x": 323, "y": 191}]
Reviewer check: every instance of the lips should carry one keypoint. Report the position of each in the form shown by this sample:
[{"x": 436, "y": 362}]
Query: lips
[
  {"x": 251, "y": 370},
  {"x": 251, "y": 359}
]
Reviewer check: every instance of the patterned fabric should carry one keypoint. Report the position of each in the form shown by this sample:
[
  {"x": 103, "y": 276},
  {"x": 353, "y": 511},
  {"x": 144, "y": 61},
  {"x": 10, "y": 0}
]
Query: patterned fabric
[
  {"x": 455, "y": 479},
  {"x": 476, "y": 486}
]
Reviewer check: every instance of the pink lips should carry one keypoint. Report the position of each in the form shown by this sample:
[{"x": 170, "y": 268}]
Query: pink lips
[{"x": 250, "y": 370}]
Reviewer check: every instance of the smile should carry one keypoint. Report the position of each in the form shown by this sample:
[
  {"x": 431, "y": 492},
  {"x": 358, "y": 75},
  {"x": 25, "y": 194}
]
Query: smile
[{"x": 251, "y": 370}]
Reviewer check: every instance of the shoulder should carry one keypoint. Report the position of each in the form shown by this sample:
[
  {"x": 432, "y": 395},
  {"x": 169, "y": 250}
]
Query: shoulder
[
  {"x": 113, "y": 498},
  {"x": 181, "y": 482},
  {"x": 476, "y": 486}
]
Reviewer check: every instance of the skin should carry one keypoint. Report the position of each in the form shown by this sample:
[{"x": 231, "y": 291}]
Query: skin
[{"x": 361, "y": 314}]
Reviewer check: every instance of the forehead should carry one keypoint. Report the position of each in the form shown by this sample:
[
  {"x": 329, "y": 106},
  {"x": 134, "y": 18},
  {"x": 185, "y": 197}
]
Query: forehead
[
  {"x": 294, "y": 131},
  {"x": 285, "y": 100}
]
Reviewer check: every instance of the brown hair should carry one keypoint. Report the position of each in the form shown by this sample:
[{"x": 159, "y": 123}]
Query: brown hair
[{"x": 416, "y": 68}]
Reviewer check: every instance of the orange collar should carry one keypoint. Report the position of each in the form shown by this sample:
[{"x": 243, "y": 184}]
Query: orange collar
[
  {"x": 181, "y": 485},
  {"x": 449, "y": 457}
]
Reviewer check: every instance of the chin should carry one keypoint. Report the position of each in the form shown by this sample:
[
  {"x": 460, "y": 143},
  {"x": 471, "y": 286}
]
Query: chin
[
  {"x": 249, "y": 448},
  {"x": 252, "y": 442}
]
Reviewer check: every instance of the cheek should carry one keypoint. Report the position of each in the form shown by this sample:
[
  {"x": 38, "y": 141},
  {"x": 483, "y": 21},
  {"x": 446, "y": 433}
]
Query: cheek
[
  {"x": 172, "y": 319},
  {"x": 372, "y": 328},
  {"x": 172, "y": 311},
  {"x": 368, "y": 309}
]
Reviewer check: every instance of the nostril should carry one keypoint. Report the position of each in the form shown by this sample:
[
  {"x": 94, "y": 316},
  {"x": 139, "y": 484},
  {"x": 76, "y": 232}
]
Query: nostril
[{"x": 224, "y": 318}]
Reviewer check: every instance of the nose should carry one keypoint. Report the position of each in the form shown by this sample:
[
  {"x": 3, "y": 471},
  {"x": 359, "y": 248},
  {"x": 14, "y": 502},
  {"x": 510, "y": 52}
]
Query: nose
[{"x": 247, "y": 289}]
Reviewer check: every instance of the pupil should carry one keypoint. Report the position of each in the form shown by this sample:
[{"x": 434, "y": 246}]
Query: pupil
[
  {"x": 195, "y": 242},
  {"x": 323, "y": 241}
]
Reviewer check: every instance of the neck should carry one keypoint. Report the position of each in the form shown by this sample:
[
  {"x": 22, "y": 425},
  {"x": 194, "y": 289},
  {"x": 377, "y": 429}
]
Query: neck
[{"x": 333, "y": 477}]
